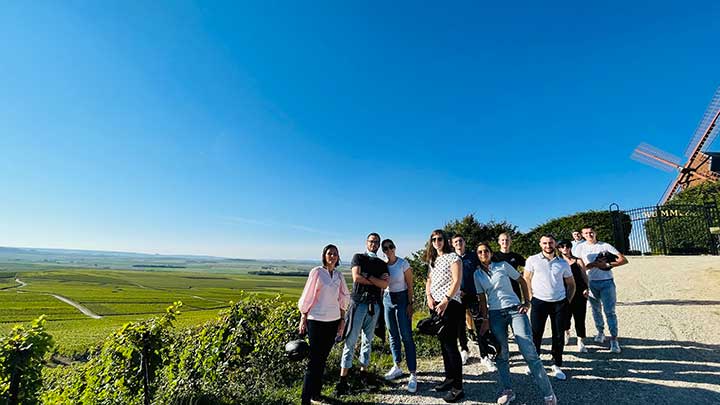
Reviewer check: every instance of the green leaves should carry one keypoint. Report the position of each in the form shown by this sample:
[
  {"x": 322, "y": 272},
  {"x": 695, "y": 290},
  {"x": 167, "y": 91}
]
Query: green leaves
[{"x": 21, "y": 362}]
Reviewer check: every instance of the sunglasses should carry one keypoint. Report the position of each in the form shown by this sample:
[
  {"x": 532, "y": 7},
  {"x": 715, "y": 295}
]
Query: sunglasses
[
  {"x": 388, "y": 247},
  {"x": 437, "y": 239}
]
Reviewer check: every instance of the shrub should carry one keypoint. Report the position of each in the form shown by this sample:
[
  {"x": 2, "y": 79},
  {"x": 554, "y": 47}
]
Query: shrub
[
  {"x": 21, "y": 362},
  {"x": 562, "y": 228}
]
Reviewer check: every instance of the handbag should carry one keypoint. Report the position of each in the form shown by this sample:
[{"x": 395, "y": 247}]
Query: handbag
[{"x": 432, "y": 326}]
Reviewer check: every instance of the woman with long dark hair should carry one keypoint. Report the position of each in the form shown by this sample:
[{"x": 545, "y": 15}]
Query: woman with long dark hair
[
  {"x": 496, "y": 297},
  {"x": 322, "y": 316},
  {"x": 443, "y": 297},
  {"x": 578, "y": 305}
]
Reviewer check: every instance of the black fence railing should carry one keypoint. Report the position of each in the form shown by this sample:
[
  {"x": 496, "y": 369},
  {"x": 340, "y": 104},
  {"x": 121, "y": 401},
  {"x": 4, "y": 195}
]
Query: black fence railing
[{"x": 681, "y": 229}]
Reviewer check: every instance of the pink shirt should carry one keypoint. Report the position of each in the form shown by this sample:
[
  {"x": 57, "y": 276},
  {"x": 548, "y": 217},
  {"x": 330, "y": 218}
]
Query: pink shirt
[{"x": 324, "y": 296}]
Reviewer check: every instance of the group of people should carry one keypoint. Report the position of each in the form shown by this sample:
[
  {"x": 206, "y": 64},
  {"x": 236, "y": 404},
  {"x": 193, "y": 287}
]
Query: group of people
[{"x": 479, "y": 290}]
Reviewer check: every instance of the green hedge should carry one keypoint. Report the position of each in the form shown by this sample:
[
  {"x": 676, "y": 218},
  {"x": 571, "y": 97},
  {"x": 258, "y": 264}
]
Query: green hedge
[{"x": 562, "y": 228}]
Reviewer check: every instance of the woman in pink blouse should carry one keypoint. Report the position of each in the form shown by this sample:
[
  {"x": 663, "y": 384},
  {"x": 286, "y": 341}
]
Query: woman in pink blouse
[{"x": 322, "y": 316}]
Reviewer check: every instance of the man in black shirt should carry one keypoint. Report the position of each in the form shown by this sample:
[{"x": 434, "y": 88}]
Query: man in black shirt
[
  {"x": 467, "y": 289},
  {"x": 370, "y": 276},
  {"x": 514, "y": 259}
]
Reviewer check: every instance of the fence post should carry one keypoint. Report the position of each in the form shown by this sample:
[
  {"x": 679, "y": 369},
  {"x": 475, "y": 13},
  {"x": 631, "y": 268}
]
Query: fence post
[
  {"x": 709, "y": 210},
  {"x": 662, "y": 229},
  {"x": 618, "y": 229}
]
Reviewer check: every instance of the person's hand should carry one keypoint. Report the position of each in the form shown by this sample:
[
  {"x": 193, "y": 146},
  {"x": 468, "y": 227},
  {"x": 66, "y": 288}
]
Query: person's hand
[
  {"x": 586, "y": 293},
  {"x": 442, "y": 306},
  {"x": 302, "y": 327},
  {"x": 410, "y": 311},
  {"x": 340, "y": 330},
  {"x": 430, "y": 303},
  {"x": 385, "y": 276},
  {"x": 524, "y": 308},
  {"x": 484, "y": 327}
]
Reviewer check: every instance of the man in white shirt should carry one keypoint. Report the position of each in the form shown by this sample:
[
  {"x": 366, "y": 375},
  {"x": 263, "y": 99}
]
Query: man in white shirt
[
  {"x": 552, "y": 286},
  {"x": 602, "y": 284}
]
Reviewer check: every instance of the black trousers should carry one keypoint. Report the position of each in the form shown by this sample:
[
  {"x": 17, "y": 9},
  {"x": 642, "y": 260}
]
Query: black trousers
[
  {"x": 322, "y": 337},
  {"x": 454, "y": 313},
  {"x": 557, "y": 312},
  {"x": 469, "y": 301},
  {"x": 578, "y": 309}
]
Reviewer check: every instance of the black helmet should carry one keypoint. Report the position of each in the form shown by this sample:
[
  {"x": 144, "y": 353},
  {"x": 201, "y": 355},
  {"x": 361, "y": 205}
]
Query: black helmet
[{"x": 297, "y": 350}]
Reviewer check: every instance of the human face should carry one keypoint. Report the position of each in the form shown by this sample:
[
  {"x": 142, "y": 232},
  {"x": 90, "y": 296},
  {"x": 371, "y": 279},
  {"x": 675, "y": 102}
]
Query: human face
[
  {"x": 576, "y": 235},
  {"x": 504, "y": 241},
  {"x": 459, "y": 245},
  {"x": 565, "y": 250},
  {"x": 389, "y": 249},
  {"x": 547, "y": 245},
  {"x": 438, "y": 242},
  {"x": 331, "y": 257},
  {"x": 589, "y": 235},
  {"x": 484, "y": 254},
  {"x": 373, "y": 243}
]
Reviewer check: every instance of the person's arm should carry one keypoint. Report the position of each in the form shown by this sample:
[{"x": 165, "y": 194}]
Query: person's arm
[
  {"x": 524, "y": 306},
  {"x": 456, "y": 272},
  {"x": 428, "y": 285},
  {"x": 307, "y": 299},
  {"x": 527, "y": 276},
  {"x": 408, "y": 274},
  {"x": 343, "y": 301},
  {"x": 359, "y": 277},
  {"x": 569, "y": 287},
  {"x": 483, "y": 309},
  {"x": 621, "y": 260}
]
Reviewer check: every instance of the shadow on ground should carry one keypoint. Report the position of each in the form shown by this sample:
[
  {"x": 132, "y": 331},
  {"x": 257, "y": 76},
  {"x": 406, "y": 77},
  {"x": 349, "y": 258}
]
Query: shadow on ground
[{"x": 646, "y": 372}]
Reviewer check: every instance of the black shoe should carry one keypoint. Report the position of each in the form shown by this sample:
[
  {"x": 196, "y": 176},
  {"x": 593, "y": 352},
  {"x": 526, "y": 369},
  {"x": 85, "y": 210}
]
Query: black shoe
[
  {"x": 341, "y": 388},
  {"x": 454, "y": 395},
  {"x": 443, "y": 386}
]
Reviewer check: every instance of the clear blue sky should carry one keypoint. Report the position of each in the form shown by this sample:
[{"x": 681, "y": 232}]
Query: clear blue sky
[{"x": 267, "y": 130}]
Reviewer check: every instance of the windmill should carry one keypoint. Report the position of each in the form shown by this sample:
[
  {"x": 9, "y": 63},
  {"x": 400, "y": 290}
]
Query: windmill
[{"x": 700, "y": 166}]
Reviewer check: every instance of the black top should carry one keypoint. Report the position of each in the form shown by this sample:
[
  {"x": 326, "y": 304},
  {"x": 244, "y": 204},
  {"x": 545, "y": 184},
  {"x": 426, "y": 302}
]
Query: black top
[
  {"x": 514, "y": 259},
  {"x": 580, "y": 285},
  {"x": 470, "y": 262},
  {"x": 370, "y": 266}
]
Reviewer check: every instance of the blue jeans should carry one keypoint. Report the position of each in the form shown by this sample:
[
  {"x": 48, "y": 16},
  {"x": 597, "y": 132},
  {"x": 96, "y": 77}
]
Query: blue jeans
[
  {"x": 499, "y": 322},
  {"x": 362, "y": 322},
  {"x": 604, "y": 298},
  {"x": 400, "y": 326}
]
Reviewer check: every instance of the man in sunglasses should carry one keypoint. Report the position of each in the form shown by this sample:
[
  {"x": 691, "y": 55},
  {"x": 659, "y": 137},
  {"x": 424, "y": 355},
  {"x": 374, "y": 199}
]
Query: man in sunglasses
[{"x": 370, "y": 276}]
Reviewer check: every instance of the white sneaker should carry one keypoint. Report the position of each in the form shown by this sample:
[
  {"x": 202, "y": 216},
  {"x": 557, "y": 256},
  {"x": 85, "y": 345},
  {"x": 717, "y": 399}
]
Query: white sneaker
[
  {"x": 599, "y": 338},
  {"x": 551, "y": 400},
  {"x": 412, "y": 384},
  {"x": 394, "y": 373},
  {"x": 464, "y": 356},
  {"x": 558, "y": 373},
  {"x": 488, "y": 364},
  {"x": 615, "y": 346},
  {"x": 506, "y": 397},
  {"x": 581, "y": 346}
]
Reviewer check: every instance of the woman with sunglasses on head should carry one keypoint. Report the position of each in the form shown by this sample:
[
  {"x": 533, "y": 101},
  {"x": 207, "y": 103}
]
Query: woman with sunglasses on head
[
  {"x": 322, "y": 316},
  {"x": 398, "y": 304},
  {"x": 443, "y": 297},
  {"x": 578, "y": 305},
  {"x": 500, "y": 308}
]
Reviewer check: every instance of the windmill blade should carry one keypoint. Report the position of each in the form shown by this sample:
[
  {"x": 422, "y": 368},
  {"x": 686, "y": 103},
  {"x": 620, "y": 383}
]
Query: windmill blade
[
  {"x": 652, "y": 156},
  {"x": 707, "y": 130}
]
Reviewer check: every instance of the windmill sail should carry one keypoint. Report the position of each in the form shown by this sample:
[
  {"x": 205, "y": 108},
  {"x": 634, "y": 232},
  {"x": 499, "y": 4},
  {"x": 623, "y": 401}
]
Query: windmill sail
[
  {"x": 707, "y": 129},
  {"x": 652, "y": 156}
]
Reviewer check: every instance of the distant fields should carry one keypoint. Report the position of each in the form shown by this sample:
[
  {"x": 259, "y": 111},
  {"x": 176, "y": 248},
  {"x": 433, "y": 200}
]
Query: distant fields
[{"x": 121, "y": 296}]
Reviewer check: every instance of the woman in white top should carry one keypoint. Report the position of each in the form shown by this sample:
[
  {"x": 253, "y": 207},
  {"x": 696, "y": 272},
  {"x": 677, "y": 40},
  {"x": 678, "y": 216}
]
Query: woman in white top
[
  {"x": 398, "y": 304},
  {"x": 322, "y": 314},
  {"x": 443, "y": 296}
]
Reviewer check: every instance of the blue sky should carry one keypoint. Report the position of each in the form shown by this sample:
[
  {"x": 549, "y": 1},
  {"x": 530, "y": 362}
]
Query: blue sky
[{"x": 268, "y": 129}]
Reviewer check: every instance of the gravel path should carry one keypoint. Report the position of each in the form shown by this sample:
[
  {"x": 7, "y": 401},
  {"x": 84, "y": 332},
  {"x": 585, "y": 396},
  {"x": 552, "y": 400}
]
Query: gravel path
[{"x": 669, "y": 321}]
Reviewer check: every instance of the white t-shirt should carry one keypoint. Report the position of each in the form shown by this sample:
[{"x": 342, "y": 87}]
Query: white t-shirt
[
  {"x": 589, "y": 251},
  {"x": 397, "y": 283},
  {"x": 548, "y": 275},
  {"x": 496, "y": 286}
]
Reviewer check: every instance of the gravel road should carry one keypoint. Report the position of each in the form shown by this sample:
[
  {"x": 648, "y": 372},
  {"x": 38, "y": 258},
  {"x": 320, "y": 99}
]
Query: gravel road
[{"x": 669, "y": 321}]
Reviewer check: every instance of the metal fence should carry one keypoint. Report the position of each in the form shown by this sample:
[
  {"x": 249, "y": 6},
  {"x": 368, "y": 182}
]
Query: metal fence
[{"x": 667, "y": 229}]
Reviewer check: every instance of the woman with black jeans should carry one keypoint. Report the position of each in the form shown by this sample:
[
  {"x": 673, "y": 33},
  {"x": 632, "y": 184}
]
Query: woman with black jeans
[
  {"x": 443, "y": 296},
  {"x": 578, "y": 305},
  {"x": 322, "y": 315}
]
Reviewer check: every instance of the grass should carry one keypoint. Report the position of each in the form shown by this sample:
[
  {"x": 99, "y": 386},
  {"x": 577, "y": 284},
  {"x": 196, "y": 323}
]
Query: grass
[{"x": 121, "y": 296}]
